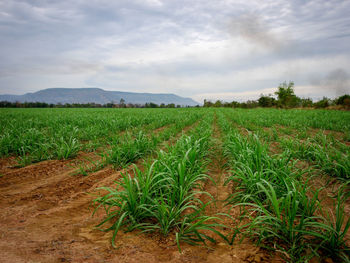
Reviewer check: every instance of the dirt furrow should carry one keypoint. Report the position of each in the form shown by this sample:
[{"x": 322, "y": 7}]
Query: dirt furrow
[{"x": 245, "y": 251}]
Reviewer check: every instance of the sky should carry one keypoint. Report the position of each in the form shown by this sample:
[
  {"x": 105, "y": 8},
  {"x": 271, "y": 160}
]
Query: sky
[{"x": 211, "y": 49}]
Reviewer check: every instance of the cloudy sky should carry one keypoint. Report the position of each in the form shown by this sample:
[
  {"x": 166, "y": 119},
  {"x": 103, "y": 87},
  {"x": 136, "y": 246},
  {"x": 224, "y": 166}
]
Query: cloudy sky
[{"x": 228, "y": 50}]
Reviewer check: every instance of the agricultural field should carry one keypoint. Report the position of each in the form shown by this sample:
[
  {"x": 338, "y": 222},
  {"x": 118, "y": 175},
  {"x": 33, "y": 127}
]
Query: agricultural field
[{"x": 174, "y": 185}]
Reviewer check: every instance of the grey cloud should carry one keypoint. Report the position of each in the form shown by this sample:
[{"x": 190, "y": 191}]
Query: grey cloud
[
  {"x": 336, "y": 82},
  {"x": 254, "y": 29}
]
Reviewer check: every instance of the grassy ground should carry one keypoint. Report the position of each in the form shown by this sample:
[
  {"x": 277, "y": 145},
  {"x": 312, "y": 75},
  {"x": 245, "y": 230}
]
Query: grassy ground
[{"x": 260, "y": 185}]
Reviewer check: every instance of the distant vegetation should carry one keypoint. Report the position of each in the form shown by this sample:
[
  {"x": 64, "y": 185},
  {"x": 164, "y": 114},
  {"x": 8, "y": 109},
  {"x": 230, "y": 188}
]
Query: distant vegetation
[
  {"x": 285, "y": 98},
  {"x": 121, "y": 104},
  {"x": 83, "y": 96}
]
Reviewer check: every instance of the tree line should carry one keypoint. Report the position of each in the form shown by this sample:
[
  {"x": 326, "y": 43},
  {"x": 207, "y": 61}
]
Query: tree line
[
  {"x": 285, "y": 98},
  {"x": 121, "y": 104}
]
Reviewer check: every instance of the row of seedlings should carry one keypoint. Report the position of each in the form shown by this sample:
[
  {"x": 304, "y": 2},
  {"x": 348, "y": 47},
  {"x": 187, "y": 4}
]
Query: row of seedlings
[
  {"x": 332, "y": 157},
  {"x": 59, "y": 134},
  {"x": 284, "y": 213},
  {"x": 327, "y": 153},
  {"x": 295, "y": 118},
  {"x": 132, "y": 146},
  {"x": 164, "y": 196}
]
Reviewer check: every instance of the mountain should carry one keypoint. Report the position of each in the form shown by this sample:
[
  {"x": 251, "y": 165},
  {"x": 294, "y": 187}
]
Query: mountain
[{"x": 96, "y": 95}]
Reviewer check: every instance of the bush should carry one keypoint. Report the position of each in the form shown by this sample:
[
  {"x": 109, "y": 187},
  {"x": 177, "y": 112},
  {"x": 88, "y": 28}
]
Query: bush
[
  {"x": 324, "y": 103},
  {"x": 343, "y": 100}
]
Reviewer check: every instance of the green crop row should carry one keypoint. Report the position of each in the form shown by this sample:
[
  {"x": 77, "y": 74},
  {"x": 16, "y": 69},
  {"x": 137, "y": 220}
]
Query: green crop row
[
  {"x": 325, "y": 151},
  {"x": 164, "y": 197},
  {"x": 284, "y": 211},
  {"x": 326, "y": 157},
  {"x": 299, "y": 119},
  {"x": 35, "y": 135},
  {"x": 133, "y": 146}
]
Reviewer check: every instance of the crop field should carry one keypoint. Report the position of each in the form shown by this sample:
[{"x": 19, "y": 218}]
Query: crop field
[{"x": 174, "y": 185}]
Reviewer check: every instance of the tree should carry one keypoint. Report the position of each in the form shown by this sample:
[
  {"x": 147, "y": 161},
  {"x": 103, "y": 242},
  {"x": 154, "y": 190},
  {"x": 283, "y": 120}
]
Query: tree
[
  {"x": 122, "y": 103},
  {"x": 343, "y": 100},
  {"x": 151, "y": 105},
  {"x": 306, "y": 103},
  {"x": 251, "y": 104},
  {"x": 207, "y": 103},
  {"x": 218, "y": 104},
  {"x": 266, "y": 101},
  {"x": 235, "y": 104},
  {"x": 324, "y": 103},
  {"x": 286, "y": 96}
]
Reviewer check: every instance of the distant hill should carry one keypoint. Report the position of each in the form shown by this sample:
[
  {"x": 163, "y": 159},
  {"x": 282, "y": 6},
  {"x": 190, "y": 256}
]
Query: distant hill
[{"x": 96, "y": 95}]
